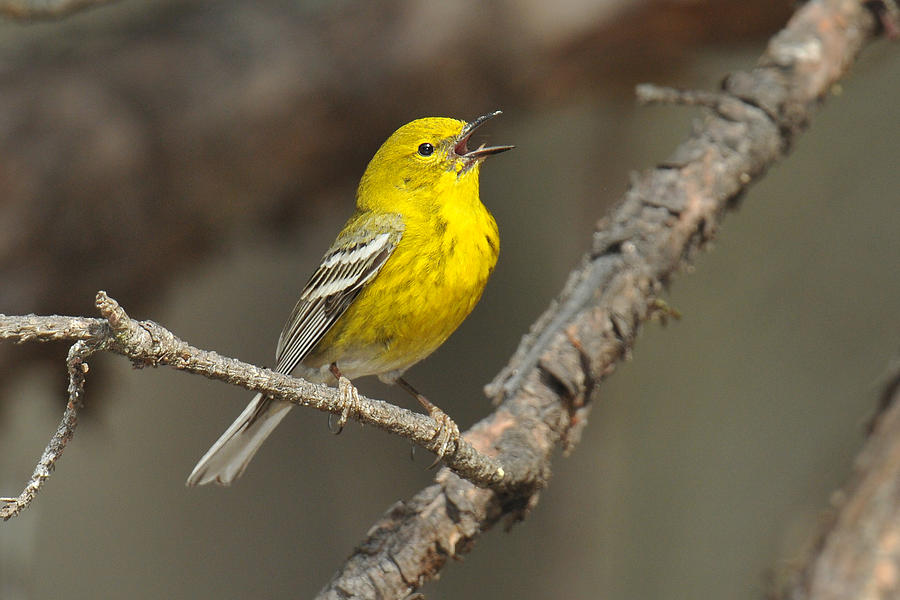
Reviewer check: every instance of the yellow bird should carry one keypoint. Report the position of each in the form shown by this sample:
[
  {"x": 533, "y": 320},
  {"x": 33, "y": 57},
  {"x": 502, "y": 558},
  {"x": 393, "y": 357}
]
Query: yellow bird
[{"x": 404, "y": 272}]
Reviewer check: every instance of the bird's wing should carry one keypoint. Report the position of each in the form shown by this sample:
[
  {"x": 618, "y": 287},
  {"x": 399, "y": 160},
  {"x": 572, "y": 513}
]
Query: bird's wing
[{"x": 356, "y": 256}]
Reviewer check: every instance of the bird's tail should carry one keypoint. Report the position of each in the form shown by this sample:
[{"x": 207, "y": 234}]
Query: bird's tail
[{"x": 228, "y": 457}]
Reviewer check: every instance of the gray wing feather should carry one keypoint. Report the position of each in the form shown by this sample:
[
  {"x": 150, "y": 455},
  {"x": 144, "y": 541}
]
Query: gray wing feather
[{"x": 341, "y": 276}]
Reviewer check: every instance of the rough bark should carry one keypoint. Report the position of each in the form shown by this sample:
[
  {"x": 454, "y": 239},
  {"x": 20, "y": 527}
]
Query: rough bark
[{"x": 668, "y": 215}]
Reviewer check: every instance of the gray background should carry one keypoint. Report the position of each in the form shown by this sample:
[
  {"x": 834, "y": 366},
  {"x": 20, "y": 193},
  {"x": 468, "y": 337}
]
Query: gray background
[{"x": 709, "y": 459}]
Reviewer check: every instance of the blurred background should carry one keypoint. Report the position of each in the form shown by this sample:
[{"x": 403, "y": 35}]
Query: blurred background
[{"x": 195, "y": 159}]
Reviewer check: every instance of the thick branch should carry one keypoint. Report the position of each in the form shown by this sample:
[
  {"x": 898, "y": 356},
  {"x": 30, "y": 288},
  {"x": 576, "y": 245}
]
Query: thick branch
[
  {"x": 858, "y": 555},
  {"x": 667, "y": 215}
]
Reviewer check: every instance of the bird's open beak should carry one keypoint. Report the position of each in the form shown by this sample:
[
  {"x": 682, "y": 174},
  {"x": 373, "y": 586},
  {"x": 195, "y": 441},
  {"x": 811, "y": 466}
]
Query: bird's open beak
[{"x": 482, "y": 151}]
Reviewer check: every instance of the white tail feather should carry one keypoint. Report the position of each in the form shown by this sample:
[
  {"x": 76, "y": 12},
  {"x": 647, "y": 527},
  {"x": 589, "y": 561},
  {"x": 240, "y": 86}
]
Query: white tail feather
[{"x": 228, "y": 457}]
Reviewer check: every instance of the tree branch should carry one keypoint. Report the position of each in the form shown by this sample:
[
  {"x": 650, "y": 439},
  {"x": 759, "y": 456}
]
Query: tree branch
[
  {"x": 40, "y": 10},
  {"x": 77, "y": 368},
  {"x": 668, "y": 214},
  {"x": 544, "y": 392},
  {"x": 148, "y": 344},
  {"x": 858, "y": 553}
]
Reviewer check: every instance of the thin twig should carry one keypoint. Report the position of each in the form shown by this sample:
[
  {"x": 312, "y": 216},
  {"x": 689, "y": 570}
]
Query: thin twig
[
  {"x": 78, "y": 354},
  {"x": 648, "y": 93},
  {"x": 43, "y": 10},
  {"x": 148, "y": 344}
]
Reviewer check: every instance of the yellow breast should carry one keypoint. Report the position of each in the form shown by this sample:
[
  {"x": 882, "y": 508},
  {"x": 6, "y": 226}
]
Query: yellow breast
[{"x": 425, "y": 290}]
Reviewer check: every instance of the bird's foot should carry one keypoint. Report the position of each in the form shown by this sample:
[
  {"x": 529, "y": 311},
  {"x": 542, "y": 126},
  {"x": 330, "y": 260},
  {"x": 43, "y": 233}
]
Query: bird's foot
[
  {"x": 446, "y": 432},
  {"x": 349, "y": 401}
]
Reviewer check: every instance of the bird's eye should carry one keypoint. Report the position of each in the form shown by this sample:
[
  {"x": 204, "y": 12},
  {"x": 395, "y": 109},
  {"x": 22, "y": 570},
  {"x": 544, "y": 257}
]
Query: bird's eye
[{"x": 426, "y": 149}]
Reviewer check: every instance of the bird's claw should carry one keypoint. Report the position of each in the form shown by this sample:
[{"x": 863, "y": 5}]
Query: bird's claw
[
  {"x": 446, "y": 434},
  {"x": 349, "y": 399}
]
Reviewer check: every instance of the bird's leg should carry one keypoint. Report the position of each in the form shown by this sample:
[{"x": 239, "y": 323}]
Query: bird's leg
[
  {"x": 446, "y": 432},
  {"x": 349, "y": 398}
]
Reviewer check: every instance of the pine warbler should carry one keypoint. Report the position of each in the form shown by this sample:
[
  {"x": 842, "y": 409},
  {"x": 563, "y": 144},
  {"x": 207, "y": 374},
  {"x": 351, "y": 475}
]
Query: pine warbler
[{"x": 404, "y": 272}]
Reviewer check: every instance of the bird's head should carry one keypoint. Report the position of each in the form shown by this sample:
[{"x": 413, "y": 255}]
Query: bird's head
[{"x": 426, "y": 157}]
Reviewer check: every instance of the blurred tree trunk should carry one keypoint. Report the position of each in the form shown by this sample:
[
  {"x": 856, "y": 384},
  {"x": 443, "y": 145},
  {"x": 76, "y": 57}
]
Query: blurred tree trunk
[{"x": 146, "y": 132}]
